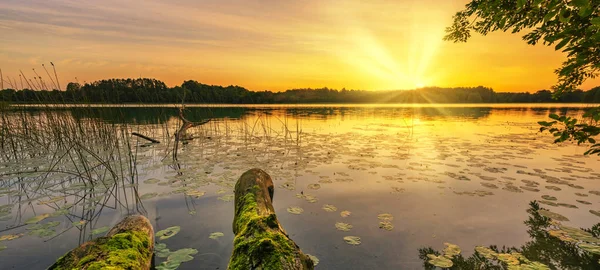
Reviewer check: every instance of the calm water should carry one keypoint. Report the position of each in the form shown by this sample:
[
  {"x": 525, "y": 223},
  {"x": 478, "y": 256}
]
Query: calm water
[{"x": 459, "y": 174}]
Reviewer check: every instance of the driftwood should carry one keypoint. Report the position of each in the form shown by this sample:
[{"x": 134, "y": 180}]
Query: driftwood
[
  {"x": 145, "y": 137},
  {"x": 260, "y": 241},
  {"x": 128, "y": 245},
  {"x": 187, "y": 124}
]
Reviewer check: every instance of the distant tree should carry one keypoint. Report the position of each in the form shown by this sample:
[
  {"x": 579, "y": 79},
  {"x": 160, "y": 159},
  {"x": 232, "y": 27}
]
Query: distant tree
[{"x": 572, "y": 26}]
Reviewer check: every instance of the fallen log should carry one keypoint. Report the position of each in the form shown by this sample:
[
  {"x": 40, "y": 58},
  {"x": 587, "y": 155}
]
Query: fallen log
[
  {"x": 260, "y": 242},
  {"x": 145, "y": 137},
  {"x": 128, "y": 245}
]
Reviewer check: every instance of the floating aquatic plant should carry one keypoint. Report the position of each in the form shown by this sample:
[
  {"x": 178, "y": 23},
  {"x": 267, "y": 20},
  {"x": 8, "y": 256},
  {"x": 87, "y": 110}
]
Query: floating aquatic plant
[
  {"x": 216, "y": 235},
  {"x": 148, "y": 196},
  {"x": 37, "y": 219},
  {"x": 345, "y": 213},
  {"x": 341, "y": 226},
  {"x": 386, "y": 225},
  {"x": 352, "y": 240},
  {"x": 295, "y": 210},
  {"x": 168, "y": 232},
  {"x": 314, "y": 186},
  {"x": 329, "y": 208}
]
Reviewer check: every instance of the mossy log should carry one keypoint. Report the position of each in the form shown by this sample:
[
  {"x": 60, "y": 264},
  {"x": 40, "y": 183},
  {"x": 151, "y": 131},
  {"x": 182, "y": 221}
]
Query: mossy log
[
  {"x": 128, "y": 245},
  {"x": 260, "y": 241}
]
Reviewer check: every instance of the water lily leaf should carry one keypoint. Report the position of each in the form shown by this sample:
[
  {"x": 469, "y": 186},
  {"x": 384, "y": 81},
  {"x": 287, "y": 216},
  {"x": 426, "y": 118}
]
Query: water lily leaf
[
  {"x": 160, "y": 246},
  {"x": 216, "y": 235},
  {"x": 163, "y": 253},
  {"x": 37, "y": 219},
  {"x": 195, "y": 193},
  {"x": 148, "y": 196},
  {"x": 329, "y": 208},
  {"x": 168, "y": 265},
  {"x": 295, "y": 210},
  {"x": 451, "y": 250},
  {"x": 352, "y": 240},
  {"x": 439, "y": 261},
  {"x": 486, "y": 252},
  {"x": 548, "y": 197},
  {"x": 79, "y": 223},
  {"x": 2, "y": 248},
  {"x": 385, "y": 217},
  {"x": 182, "y": 255},
  {"x": 552, "y": 215},
  {"x": 227, "y": 198},
  {"x": 343, "y": 226},
  {"x": 597, "y": 213},
  {"x": 151, "y": 181},
  {"x": 345, "y": 213},
  {"x": 386, "y": 225},
  {"x": 314, "y": 186},
  {"x": 100, "y": 230},
  {"x": 9, "y": 237},
  {"x": 168, "y": 232}
]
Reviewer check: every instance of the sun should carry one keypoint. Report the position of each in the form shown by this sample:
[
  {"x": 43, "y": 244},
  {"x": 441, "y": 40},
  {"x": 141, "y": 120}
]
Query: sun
[{"x": 419, "y": 85}]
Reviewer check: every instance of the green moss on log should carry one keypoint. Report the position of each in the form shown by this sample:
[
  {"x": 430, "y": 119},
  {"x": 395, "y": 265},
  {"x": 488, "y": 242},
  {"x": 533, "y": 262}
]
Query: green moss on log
[
  {"x": 260, "y": 241},
  {"x": 123, "y": 248}
]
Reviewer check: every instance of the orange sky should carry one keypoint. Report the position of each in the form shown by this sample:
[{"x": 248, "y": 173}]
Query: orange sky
[{"x": 266, "y": 44}]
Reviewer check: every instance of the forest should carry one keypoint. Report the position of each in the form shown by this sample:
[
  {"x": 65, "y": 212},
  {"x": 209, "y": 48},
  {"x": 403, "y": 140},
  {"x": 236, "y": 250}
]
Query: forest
[{"x": 147, "y": 90}]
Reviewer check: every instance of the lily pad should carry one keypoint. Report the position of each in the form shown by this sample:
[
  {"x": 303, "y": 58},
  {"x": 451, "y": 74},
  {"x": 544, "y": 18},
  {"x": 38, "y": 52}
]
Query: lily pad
[
  {"x": 451, "y": 250},
  {"x": 345, "y": 213},
  {"x": 227, "y": 198},
  {"x": 295, "y": 210},
  {"x": 352, "y": 240},
  {"x": 168, "y": 232},
  {"x": 9, "y": 237},
  {"x": 37, "y": 219},
  {"x": 341, "y": 226},
  {"x": 439, "y": 261},
  {"x": 552, "y": 215},
  {"x": 314, "y": 186},
  {"x": 548, "y": 197},
  {"x": 148, "y": 196},
  {"x": 216, "y": 235},
  {"x": 486, "y": 252},
  {"x": 385, "y": 217},
  {"x": 151, "y": 181},
  {"x": 329, "y": 208},
  {"x": 386, "y": 225}
]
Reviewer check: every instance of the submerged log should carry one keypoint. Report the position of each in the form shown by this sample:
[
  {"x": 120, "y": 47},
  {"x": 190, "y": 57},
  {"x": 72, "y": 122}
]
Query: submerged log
[
  {"x": 260, "y": 242},
  {"x": 128, "y": 245}
]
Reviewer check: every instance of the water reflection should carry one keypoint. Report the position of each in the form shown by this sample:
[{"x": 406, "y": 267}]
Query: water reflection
[
  {"x": 543, "y": 248},
  {"x": 428, "y": 166}
]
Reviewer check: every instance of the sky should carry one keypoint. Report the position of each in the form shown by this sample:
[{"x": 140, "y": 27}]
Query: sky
[{"x": 266, "y": 44}]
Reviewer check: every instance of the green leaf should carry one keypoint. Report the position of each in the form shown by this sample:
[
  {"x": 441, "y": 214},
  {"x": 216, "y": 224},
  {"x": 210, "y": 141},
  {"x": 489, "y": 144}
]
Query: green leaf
[
  {"x": 553, "y": 116},
  {"x": 584, "y": 12},
  {"x": 562, "y": 43},
  {"x": 580, "y": 3},
  {"x": 168, "y": 232},
  {"x": 521, "y": 4},
  {"x": 591, "y": 140},
  {"x": 595, "y": 21}
]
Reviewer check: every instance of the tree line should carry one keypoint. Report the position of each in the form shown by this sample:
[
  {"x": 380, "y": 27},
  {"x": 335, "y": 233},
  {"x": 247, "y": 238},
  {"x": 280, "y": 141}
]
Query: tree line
[{"x": 147, "y": 90}]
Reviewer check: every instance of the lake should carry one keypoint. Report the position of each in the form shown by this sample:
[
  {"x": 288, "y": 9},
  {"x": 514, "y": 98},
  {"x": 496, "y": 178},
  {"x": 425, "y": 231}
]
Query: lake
[{"x": 404, "y": 177}]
